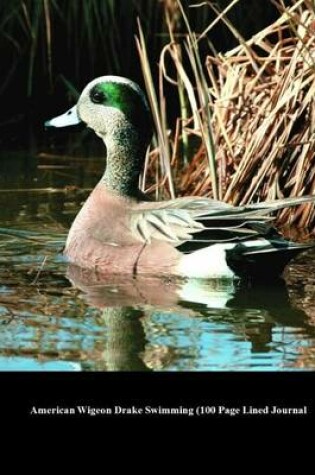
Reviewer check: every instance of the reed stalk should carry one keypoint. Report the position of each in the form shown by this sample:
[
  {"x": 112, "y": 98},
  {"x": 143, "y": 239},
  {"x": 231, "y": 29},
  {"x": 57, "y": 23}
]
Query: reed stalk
[{"x": 253, "y": 110}]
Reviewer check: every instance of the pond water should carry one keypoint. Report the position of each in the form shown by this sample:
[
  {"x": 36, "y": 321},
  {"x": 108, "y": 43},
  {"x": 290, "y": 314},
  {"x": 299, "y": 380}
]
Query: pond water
[{"x": 57, "y": 318}]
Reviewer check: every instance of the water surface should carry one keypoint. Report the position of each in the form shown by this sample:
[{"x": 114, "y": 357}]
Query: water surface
[{"x": 56, "y": 318}]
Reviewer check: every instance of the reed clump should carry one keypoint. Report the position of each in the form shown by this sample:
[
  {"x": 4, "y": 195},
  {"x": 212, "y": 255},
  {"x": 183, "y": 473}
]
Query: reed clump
[{"x": 250, "y": 133}]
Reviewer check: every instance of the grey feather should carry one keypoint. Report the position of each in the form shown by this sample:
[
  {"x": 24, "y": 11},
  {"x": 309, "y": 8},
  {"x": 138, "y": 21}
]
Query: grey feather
[{"x": 200, "y": 220}]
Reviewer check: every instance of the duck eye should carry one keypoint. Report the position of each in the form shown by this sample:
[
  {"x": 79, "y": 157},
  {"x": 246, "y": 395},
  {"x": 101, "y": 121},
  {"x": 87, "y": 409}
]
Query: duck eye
[{"x": 97, "y": 96}]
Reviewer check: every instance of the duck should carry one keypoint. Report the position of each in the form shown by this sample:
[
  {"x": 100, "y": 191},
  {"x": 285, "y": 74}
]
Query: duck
[{"x": 120, "y": 231}]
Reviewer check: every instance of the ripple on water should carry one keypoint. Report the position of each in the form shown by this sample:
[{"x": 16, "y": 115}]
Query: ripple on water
[{"x": 46, "y": 325}]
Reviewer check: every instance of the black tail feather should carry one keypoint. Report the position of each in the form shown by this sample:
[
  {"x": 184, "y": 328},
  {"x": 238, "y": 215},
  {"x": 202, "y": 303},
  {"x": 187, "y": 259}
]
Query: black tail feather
[{"x": 264, "y": 263}]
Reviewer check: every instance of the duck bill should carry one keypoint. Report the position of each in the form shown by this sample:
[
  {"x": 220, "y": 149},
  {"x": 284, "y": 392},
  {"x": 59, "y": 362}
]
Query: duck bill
[{"x": 65, "y": 120}]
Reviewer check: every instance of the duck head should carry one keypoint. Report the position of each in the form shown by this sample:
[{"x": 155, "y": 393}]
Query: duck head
[
  {"x": 118, "y": 112},
  {"x": 107, "y": 104}
]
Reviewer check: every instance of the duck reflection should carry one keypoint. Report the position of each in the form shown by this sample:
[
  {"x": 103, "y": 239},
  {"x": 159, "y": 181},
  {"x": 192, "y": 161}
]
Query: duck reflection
[
  {"x": 123, "y": 301},
  {"x": 126, "y": 339},
  {"x": 251, "y": 313}
]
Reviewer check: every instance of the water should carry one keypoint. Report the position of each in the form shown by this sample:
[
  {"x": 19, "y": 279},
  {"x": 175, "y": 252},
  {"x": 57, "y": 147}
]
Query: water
[{"x": 58, "y": 318}]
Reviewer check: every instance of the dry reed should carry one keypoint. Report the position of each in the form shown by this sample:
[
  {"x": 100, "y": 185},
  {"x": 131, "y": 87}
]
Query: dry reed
[{"x": 252, "y": 112}]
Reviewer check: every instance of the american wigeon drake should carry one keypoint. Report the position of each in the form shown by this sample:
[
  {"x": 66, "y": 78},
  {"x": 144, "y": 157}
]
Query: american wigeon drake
[{"x": 119, "y": 231}]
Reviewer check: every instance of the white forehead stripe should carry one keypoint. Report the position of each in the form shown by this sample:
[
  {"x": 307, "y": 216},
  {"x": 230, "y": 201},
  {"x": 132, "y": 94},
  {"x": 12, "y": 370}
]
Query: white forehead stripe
[{"x": 115, "y": 80}]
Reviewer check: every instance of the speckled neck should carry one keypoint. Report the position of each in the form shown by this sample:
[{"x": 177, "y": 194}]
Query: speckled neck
[{"x": 125, "y": 159}]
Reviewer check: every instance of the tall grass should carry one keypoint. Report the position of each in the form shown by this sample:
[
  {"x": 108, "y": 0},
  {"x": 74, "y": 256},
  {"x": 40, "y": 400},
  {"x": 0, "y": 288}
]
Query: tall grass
[
  {"x": 245, "y": 125},
  {"x": 252, "y": 110},
  {"x": 41, "y": 39}
]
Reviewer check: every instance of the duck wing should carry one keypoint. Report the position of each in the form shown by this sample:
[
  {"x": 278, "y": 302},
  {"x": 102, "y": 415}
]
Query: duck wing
[{"x": 191, "y": 223}]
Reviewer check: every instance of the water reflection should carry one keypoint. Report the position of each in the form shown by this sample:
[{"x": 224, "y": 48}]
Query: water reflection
[
  {"x": 179, "y": 324},
  {"x": 54, "y": 317},
  {"x": 65, "y": 319},
  {"x": 44, "y": 190},
  {"x": 125, "y": 342}
]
